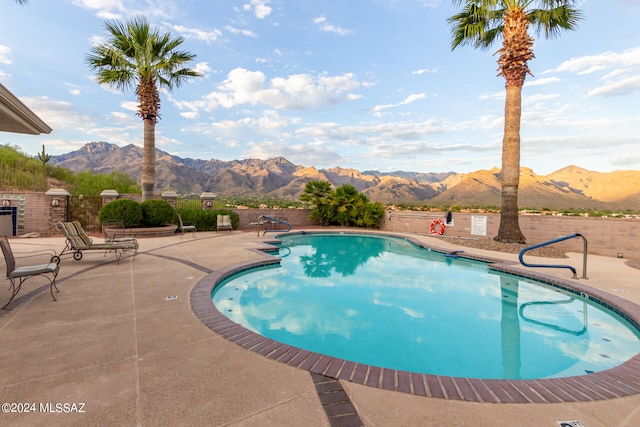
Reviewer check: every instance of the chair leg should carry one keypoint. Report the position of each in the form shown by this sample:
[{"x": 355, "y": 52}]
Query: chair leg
[
  {"x": 52, "y": 284},
  {"x": 14, "y": 291}
]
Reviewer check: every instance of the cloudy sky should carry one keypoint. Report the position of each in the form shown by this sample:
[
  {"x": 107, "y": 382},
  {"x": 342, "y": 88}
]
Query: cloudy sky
[{"x": 370, "y": 84}]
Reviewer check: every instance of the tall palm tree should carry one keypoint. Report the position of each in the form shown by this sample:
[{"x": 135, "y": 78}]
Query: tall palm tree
[
  {"x": 137, "y": 56},
  {"x": 481, "y": 22}
]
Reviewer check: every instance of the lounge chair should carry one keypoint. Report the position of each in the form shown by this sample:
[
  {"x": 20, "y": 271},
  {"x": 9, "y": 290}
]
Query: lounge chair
[
  {"x": 78, "y": 241},
  {"x": 114, "y": 231},
  {"x": 223, "y": 222},
  {"x": 18, "y": 274},
  {"x": 186, "y": 226}
]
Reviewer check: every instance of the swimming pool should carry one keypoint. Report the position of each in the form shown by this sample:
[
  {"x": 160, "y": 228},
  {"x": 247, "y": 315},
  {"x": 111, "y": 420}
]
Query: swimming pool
[{"x": 335, "y": 294}]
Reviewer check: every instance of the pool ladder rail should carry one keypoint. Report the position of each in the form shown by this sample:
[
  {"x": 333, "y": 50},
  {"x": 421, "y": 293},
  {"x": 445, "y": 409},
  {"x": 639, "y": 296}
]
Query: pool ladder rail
[
  {"x": 560, "y": 239},
  {"x": 265, "y": 221}
]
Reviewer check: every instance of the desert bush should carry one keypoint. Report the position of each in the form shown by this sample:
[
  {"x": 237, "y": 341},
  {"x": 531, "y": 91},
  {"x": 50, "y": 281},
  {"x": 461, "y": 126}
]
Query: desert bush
[
  {"x": 125, "y": 210},
  {"x": 156, "y": 213}
]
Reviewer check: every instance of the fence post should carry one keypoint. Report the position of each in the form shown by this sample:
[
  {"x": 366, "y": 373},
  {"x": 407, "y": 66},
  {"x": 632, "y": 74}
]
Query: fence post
[
  {"x": 170, "y": 197},
  {"x": 58, "y": 203},
  {"x": 109, "y": 196},
  {"x": 206, "y": 200}
]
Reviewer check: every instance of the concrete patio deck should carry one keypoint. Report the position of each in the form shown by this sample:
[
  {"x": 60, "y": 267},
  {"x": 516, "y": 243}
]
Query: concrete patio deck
[{"x": 123, "y": 344}]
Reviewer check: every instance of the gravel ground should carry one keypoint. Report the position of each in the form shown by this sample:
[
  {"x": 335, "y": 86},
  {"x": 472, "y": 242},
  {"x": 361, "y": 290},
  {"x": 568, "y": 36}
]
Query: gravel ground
[{"x": 513, "y": 248}]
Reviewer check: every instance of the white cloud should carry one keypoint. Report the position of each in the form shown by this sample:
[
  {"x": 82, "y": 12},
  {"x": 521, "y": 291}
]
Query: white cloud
[
  {"x": 260, "y": 8},
  {"x": 97, "y": 40},
  {"x": 540, "y": 97},
  {"x": 629, "y": 58},
  {"x": 59, "y": 114},
  {"x": 425, "y": 71},
  {"x": 493, "y": 95},
  {"x": 234, "y": 30},
  {"x": 117, "y": 9},
  {"x": 130, "y": 105},
  {"x": 622, "y": 86},
  {"x": 4, "y": 55},
  {"x": 408, "y": 100},
  {"x": 195, "y": 33},
  {"x": 307, "y": 154},
  {"x": 541, "y": 82},
  {"x": 295, "y": 92},
  {"x": 322, "y": 23},
  {"x": 190, "y": 115},
  {"x": 626, "y": 160},
  {"x": 126, "y": 119},
  {"x": 621, "y": 71},
  {"x": 202, "y": 68}
]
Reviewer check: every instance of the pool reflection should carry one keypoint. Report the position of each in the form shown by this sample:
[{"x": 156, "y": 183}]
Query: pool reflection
[{"x": 386, "y": 302}]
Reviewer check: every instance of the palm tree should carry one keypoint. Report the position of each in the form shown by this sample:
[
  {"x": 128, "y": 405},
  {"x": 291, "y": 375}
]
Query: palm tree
[
  {"x": 345, "y": 201},
  {"x": 137, "y": 56},
  {"x": 316, "y": 192},
  {"x": 480, "y": 23}
]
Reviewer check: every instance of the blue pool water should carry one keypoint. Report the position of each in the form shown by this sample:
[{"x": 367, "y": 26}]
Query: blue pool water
[{"x": 385, "y": 302}]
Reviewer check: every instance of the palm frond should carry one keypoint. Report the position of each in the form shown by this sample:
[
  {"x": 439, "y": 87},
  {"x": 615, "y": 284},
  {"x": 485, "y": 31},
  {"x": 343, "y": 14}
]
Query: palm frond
[{"x": 551, "y": 22}]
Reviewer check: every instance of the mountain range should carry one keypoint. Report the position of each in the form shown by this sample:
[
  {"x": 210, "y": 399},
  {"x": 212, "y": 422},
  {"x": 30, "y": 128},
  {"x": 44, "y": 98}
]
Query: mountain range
[{"x": 569, "y": 187}]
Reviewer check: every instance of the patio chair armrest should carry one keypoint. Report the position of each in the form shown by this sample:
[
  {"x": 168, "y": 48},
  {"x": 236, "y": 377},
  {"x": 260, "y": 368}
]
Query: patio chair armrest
[{"x": 43, "y": 256}]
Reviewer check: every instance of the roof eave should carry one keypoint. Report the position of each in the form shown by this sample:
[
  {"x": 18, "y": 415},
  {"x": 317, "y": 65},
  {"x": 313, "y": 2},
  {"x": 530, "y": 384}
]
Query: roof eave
[{"x": 17, "y": 117}]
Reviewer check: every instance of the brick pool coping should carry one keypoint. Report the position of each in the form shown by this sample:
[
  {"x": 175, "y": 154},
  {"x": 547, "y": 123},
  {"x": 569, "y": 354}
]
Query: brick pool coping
[{"x": 620, "y": 381}]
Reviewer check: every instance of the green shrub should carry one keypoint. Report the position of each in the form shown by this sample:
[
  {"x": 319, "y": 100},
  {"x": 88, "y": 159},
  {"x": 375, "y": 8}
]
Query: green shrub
[
  {"x": 156, "y": 213},
  {"x": 370, "y": 215},
  {"x": 207, "y": 220},
  {"x": 343, "y": 206},
  {"x": 125, "y": 210}
]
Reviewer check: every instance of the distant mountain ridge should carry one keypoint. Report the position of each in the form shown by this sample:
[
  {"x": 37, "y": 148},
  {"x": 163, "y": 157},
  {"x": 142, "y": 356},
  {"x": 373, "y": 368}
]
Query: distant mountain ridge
[{"x": 570, "y": 187}]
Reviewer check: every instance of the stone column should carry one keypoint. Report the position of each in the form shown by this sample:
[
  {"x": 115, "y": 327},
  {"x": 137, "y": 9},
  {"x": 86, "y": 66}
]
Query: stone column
[
  {"x": 207, "y": 200},
  {"x": 170, "y": 197},
  {"x": 58, "y": 207},
  {"x": 109, "y": 196}
]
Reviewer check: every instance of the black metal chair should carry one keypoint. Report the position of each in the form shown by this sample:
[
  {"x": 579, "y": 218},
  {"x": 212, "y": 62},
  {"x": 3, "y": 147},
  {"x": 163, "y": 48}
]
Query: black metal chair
[{"x": 18, "y": 274}]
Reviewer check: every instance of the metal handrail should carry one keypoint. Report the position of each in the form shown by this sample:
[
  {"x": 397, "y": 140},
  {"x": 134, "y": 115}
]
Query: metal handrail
[
  {"x": 560, "y": 239},
  {"x": 271, "y": 219}
]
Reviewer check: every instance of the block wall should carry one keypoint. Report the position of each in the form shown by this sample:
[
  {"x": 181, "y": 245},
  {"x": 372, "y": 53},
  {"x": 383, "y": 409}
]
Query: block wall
[{"x": 605, "y": 236}]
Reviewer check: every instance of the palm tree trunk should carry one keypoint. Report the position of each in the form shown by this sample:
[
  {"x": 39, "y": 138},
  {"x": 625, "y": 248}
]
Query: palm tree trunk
[
  {"x": 148, "y": 178},
  {"x": 509, "y": 231}
]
